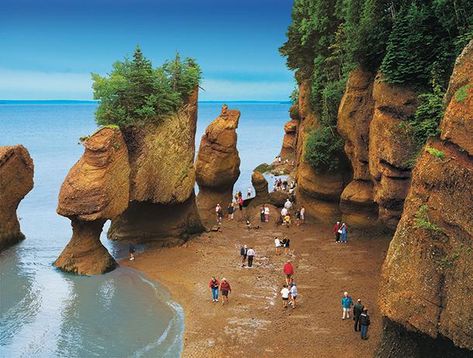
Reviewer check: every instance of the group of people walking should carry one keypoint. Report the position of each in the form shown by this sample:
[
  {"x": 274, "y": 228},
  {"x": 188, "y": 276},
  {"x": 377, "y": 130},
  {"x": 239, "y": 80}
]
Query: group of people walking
[
  {"x": 360, "y": 314},
  {"x": 247, "y": 254},
  {"x": 340, "y": 230},
  {"x": 223, "y": 286}
]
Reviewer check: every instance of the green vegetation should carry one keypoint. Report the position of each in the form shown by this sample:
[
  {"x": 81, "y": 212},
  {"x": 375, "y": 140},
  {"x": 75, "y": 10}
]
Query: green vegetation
[
  {"x": 135, "y": 93},
  {"x": 462, "y": 93},
  {"x": 323, "y": 149},
  {"x": 422, "y": 220},
  {"x": 412, "y": 43},
  {"x": 435, "y": 152},
  {"x": 264, "y": 168}
]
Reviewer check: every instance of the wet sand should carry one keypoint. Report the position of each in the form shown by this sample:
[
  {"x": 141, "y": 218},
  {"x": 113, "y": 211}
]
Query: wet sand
[{"x": 254, "y": 323}]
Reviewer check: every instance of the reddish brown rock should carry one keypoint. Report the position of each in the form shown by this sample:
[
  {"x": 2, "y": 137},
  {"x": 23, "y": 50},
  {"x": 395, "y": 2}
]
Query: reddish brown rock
[
  {"x": 391, "y": 148},
  {"x": 16, "y": 180},
  {"x": 162, "y": 179},
  {"x": 218, "y": 164},
  {"x": 357, "y": 205},
  {"x": 289, "y": 140},
  {"x": 427, "y": 276},
  {"x": 95, "y": 189},
  {"x": 260, "y": 184}
]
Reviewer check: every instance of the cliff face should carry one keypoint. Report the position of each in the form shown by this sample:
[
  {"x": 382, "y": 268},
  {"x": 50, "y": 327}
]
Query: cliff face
[
  {"x": 16, "y": 180},
  {"x": 95, "y": 189},
  {"x": 288, "y": 150},
  {"x": 162, "y": 178},
  {"x": 428, "y": 272},
  {"x": 354, "y": 118},
  {"x": 218, "y": 163}
]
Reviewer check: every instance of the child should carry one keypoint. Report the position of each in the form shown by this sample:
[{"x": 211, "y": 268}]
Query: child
[{"x": 285, "y": 296}]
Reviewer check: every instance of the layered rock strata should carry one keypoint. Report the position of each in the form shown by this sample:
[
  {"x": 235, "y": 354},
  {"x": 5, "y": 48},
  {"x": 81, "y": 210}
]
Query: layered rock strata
[
  {"x": 354, "y": 118},
  {"x": 96, "y": 189},
  {"x": 218, "y": 163},
  {"x": 427, "y": 276},
  {"x": 16, "y": 180}
]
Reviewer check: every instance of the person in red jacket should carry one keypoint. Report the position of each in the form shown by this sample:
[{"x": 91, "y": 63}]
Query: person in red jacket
[
  {"x": 225, "y": 289},
  {"x": 335, "y": 229},
  {"x": 213, "y": 285},
  {"x": 288, "y": 270}
]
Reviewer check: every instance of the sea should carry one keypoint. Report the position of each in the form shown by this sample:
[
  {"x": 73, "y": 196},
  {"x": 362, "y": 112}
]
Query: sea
[{"x": 47, "y": 313}]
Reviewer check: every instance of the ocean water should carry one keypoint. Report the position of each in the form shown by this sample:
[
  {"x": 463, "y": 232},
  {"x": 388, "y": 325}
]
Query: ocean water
[{"x": 47, "y": 313}]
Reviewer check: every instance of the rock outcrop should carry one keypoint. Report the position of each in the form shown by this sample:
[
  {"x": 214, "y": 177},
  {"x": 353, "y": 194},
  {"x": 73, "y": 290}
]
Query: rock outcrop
[
  {"x": 427, "y": 277},
  {"x": 391, "y": 148},
  {"x": 354, "y": 118},
  {"x": 16, "y": 180},
  {"x": 162, "y": 200},
  {"x": 96, "y": 189},
  {"x": 288, "y": 150},
  {"x": 218, "y": 163},
  {"x": 260, "y": 184}
]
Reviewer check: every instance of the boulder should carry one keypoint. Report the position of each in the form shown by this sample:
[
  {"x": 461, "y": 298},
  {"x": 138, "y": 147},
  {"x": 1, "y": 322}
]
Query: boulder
[
  {"x": 95, "y": 189},
  {"x": 218, "y": 164},
  {"x": 427, "y": 277},
  {"x": 162, "y": 180},
  {"x": 289, "y": 140},
  {"x": 391, "y": 148},
  {"x": 260, "y": 184},
  {"x": 357, "y": 205},
  {"x": 278, "y": 198},
  {"x": 16, "y": 180}
]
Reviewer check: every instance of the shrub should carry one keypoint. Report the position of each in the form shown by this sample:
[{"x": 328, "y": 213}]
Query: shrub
[
  {"x": 136, "y": 93},
  {"x": 462, "y": 93},
  {"x": 435, "y": 152},
  {"x": 263, "y": 168},
  {"x": 422, "y": 221},
  {"x": 323, "y": 149}
]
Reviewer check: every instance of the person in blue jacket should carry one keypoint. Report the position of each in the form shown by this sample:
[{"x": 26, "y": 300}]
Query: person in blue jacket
[
  {"x": 344, "y": 233},
  {"x": 347, "y": 302}
]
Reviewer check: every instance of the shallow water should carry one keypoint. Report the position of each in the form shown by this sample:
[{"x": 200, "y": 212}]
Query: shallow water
[{"x": 46, "y": 313}]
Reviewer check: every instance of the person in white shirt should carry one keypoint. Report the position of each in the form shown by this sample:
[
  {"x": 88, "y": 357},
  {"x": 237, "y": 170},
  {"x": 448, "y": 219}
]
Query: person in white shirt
[
  {"x": 251, "y": 254},
  {"x": 293, "y": 292},
  {"x": 277, "y": 243},
  {"x": 283, "y": 212},
  {"x": 285, "y": 296},
  {"x": 302, "y": 215},
  {"x": 288, "y": 204},
  {"x": 266, "y": 213}
]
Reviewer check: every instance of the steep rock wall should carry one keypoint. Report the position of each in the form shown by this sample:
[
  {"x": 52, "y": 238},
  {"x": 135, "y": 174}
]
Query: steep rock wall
[
  {"x": 218, "y": 163},
  {"x": 96, "y": 189},
  {"x": 16, "y": 180},
  {"x": 427, "y": 277}
]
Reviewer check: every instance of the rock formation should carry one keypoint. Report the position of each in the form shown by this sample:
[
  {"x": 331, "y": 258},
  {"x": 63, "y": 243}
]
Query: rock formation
[
  {"x": 391, "y": 148},
  {"x": 427, "y": 276},
  {"x": 260, "y": 184},
  {"x": 96, "y": 189},
  {"x": 162, "y": 179},
  {"x": 354, "y": 118},
  {"x": 218, "y": 163},
  {"x": 288, "y": 150},
  {"x": 16, "y": 180}
]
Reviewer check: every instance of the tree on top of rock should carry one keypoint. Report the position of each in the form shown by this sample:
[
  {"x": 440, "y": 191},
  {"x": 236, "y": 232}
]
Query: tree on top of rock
[{"x": 135, "y": 93}]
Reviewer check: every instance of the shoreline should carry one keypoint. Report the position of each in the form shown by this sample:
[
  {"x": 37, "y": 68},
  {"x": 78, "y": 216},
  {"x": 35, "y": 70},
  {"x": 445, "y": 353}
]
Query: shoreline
[{"x": 254, "y": 322}]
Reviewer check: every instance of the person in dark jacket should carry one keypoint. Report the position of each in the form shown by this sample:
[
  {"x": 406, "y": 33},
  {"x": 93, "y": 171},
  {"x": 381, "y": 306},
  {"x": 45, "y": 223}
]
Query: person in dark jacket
[
  {"x": 357, "y": 311},
  {"x": 365, "y": 322},
  {"x": 243, "y": 254}
]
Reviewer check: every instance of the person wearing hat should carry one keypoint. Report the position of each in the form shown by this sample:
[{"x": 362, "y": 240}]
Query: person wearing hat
[
  {"x": 357, "y": 310},
  {"x": 365, "y": 322},
  {"x": 225, "y": 289}
]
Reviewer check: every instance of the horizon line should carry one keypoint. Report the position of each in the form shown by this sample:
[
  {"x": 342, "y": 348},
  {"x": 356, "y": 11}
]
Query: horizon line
[{"x": 5, "y": 101}]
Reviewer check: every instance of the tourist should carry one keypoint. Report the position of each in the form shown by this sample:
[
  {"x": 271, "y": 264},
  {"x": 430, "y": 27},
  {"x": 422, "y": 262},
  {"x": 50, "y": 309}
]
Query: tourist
[
  {"x": 365, "y": 322},
  {"x": 335, "y": 230},
  {"x": 266, "y": 213},
  {"x": 251, "y": 255},
  {"x": 225, "y": 289},
  {"x": 261, "y": 213},
  {"x": 284, "y": 185},
  {"x": 288, "y": 270},
  {"x": 283, "y": 212},
  {"x": 287, "y": 220},
  {"x": 298, "y": 217},
  {"x": 243, "y": 254},
  {"x": 278, "y": 245},
  {"x": 213, "y": 285},
  {"x": 248, "y": 193},
  {"x": 285, "y": 295},
  {"x": 287, "y": 242},
  {"x": 347, "y": 302},
  {"x": 218, "y": 213},
  {"x": 230, "y": 211},
  {"x": 343, "y": 233},
  {"x": 248, "y": 224},
  {"x": 240, "y": 203},
  {"x": 293, "y": 292},
  {"x": 131, "y": 251},
  {"x": 288, "y": 204},
  {"x": 302, "y": 215},
  {"x": 357, "y": 310}
]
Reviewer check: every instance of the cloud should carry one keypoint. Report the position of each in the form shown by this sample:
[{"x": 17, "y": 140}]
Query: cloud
[{"x": 20, "y": 84}]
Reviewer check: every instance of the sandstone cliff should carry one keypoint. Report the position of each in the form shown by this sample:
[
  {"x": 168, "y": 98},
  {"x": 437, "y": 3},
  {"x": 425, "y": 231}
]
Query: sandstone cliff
[
  {"x": 16, "y": 180},
  {"x": 288, "y": 150},
  {"x": 162, "y": 179},
  {"x": 218, "y": 163},
  {"x": 96, "y": 189},
  {"x": 428, "y": 272}
]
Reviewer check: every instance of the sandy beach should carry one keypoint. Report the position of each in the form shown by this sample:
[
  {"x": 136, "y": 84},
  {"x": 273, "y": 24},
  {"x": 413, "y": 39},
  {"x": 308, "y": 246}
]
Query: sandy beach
[{"x": 254, "y": 323}]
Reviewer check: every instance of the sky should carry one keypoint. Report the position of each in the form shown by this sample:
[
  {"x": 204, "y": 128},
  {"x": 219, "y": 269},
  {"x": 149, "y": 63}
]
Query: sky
[{"x": 48, "y": 48}]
